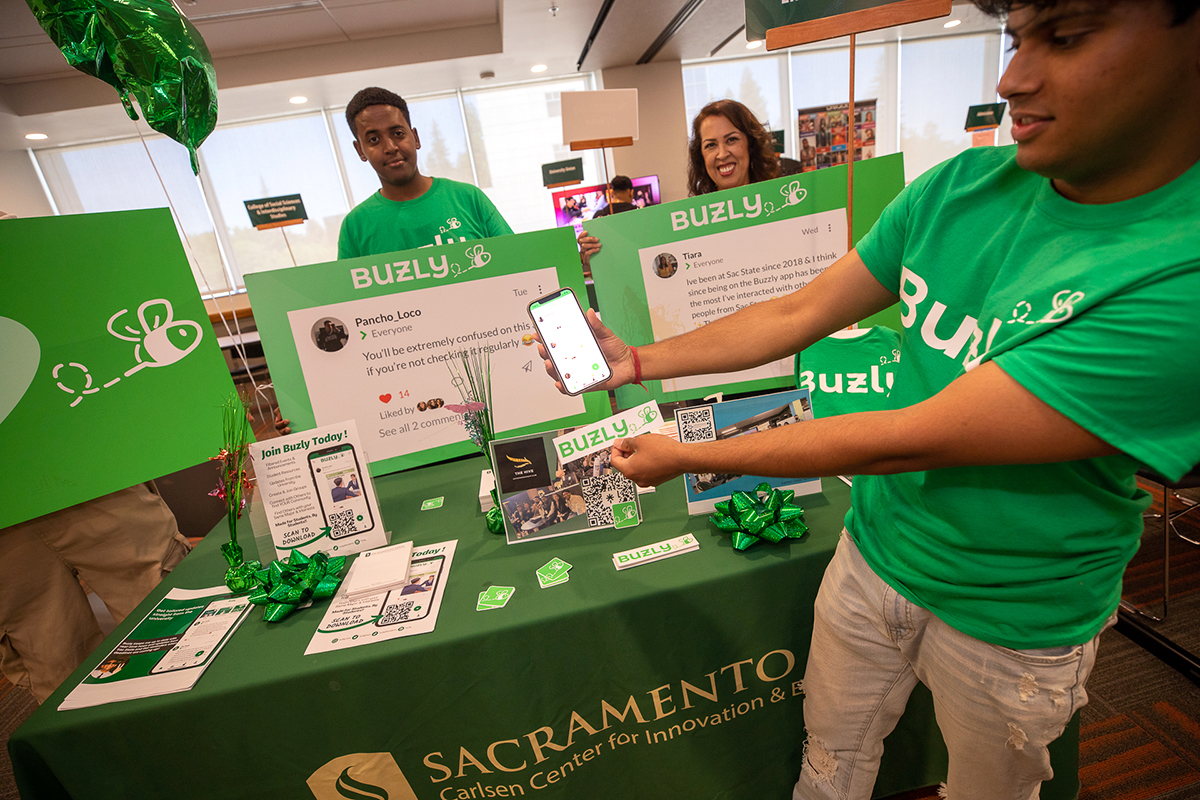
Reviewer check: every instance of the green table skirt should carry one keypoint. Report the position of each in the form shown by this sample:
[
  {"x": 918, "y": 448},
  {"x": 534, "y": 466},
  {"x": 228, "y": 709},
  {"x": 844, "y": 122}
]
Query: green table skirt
[{"x": 677, "y": 679}]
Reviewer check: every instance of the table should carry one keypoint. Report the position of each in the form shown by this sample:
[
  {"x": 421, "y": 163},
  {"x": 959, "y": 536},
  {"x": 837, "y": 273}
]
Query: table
[{"x": 677, "y": 679}]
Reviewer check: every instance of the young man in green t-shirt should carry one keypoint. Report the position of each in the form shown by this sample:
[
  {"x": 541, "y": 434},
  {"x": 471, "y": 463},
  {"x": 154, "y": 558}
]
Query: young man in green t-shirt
[
  {"x": 410, "y": 209},
  {"x": 1048, "y": 295}
]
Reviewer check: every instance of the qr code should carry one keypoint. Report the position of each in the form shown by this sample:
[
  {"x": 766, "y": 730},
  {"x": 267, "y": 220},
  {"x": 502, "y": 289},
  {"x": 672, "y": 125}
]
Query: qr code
[
  {"x": 696, "y": 424},
  {"x": 341, "y": 524},
  {"x": 602, "y": 492},
  {"x": 397, "y": 612}
]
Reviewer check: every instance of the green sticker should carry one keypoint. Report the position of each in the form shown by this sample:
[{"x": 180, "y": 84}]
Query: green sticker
[
  {"x": 625, "y": 515},
  {"x": 433, "y": 502}
]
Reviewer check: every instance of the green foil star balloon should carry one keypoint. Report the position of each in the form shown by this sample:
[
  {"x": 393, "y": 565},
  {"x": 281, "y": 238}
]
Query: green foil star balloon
[
  {"x": 765, "y": 513},
  {"x": 145, "y": 49}
]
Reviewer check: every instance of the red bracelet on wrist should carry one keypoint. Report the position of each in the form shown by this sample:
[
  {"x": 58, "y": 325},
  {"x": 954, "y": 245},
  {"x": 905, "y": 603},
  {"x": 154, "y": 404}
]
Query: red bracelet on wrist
[{"x": 637, "y": 368}]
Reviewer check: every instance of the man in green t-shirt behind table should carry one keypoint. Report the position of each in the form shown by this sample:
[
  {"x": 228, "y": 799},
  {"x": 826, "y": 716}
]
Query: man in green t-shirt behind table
[
  {"x": 1048, "y": 294},
  {"x": 410, "y": 209}
]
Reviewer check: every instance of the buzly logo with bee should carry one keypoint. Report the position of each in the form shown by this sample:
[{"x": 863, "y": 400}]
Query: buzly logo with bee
[{"x": 159, "y": 341}]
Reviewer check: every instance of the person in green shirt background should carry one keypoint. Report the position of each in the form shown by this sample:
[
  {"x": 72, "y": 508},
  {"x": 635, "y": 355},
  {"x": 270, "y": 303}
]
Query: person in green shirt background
[
  {"x": 1048, "y": 293},
  {"x": 410, "y": 209}
]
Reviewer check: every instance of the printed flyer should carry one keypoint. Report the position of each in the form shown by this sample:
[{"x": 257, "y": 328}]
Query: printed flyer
[
  {"x": 582, "y": 491},
  {"x": 316, "y": 492},
  {"x": 672, "y": 268},
  {"x": 393, "y": 614},
  {"x": 744, "y": 417},
  {"x": 167, "y": 652},
  {"x": 374, "y": 339}
]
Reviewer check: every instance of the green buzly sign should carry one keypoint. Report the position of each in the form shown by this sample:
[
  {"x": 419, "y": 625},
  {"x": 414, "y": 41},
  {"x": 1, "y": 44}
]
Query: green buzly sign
[
  {"x": 762, "y": 15},
  {"x": 562, "y": 172},
  {"x": 985, "y": 116},
  {"x": 275, "y": 212}
]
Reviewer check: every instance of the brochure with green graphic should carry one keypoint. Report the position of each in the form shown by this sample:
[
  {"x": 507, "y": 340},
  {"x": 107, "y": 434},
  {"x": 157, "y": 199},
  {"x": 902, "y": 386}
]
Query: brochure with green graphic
[
  {"x": 317, "y": 493},
  {"x": 373, "y": 339},
  {"x": 167, "y": 652},
  {"x": 672, "y": 268},
  {"x": 111, "y": 373}
]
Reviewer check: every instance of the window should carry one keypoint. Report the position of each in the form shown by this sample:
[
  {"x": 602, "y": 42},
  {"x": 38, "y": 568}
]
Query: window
[
  {"x": 940, "y": 79},
  {"x": 120, "y": 177},
  {"x": 514, "y": 130},
  {"x": 267, "y": 159},
  {"x": 758, "y": 83}
]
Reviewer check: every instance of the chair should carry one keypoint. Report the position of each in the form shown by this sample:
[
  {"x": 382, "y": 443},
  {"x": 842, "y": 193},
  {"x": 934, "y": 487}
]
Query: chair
[
  {"x": 1131, "y": 619},
  {"x": 1169, "y": 491}
]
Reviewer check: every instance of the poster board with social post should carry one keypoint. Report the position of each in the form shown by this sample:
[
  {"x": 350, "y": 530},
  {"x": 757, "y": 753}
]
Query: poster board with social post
[
  {"x": 373, "y": 339},
  {"x": 672, "y": 268},
  {"x": 111, "y": 374}
]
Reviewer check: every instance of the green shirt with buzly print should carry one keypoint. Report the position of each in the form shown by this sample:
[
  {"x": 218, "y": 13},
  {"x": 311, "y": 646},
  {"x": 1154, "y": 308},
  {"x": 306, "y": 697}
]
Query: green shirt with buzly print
[
  {"x": 1092, "y": 308},
  {"x": 449, "y": 212}
]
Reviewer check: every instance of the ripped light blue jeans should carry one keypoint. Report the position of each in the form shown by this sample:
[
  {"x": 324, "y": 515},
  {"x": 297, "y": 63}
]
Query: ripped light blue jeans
[{"x": 997, "y": 708}]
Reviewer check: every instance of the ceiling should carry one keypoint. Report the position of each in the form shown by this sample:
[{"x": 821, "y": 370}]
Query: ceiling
[{"x": 266, "y": 51}]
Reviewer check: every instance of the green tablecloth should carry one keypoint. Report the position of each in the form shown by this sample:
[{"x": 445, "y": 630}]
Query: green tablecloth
[{"x": 701, "y": 655}]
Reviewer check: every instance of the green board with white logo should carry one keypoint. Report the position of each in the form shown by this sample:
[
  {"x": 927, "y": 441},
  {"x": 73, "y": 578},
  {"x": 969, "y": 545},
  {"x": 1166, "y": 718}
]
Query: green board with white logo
[
  {"x": 377, "y": 340},
  {"x": 669, "y": 269},
  {"x": 111, "y": 372}
]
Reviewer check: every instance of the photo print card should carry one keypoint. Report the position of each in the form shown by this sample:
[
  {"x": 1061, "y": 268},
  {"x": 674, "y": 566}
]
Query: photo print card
[
  {"x": 562, "y": 482},
  {"x": 744, "y": 417}
]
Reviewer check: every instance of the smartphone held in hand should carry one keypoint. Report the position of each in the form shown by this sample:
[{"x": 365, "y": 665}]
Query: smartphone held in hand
[{"x": 569, "y": 341}]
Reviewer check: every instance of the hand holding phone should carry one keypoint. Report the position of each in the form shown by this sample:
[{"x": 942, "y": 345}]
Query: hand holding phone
[{"x": 568, "y": 341}]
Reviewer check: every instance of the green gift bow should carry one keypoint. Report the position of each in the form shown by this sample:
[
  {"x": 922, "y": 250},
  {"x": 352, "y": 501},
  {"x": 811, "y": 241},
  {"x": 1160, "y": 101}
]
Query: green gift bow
[
  {"x": 282, "y": 587},
  {"x": 751, "y": 517}
]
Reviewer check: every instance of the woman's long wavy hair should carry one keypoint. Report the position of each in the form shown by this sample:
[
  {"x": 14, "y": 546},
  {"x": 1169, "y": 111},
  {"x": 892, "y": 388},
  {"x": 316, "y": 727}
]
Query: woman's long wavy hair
[{"x": 764, "y": 163}]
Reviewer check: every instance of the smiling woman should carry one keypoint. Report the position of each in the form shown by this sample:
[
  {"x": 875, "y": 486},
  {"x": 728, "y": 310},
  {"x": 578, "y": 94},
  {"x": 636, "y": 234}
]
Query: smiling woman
[{"x": 728, "y": 148}]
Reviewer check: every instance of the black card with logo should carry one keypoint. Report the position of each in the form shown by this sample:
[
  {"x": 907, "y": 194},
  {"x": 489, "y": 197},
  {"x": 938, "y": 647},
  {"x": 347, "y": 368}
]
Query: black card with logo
[{"x": 521, "y": 464}]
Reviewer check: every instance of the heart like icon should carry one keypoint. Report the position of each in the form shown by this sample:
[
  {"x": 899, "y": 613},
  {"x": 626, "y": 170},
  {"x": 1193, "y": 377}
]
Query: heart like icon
[
  {"x": 20, "y": 354},
  {"x": 385, "y": 398}
]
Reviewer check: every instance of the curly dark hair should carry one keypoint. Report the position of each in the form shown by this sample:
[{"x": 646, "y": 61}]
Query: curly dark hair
[
  {"x": 1182, "y": 9},
  {"x": 374, "y": 96},
  {"x": 764, "y": 163}
]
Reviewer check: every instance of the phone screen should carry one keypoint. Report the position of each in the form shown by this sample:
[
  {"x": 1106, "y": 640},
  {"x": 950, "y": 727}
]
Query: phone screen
[
  {"x": 413, "y": 601},
  {"x": 569, "y": 341},
  {"x": 339, "y": 483}
]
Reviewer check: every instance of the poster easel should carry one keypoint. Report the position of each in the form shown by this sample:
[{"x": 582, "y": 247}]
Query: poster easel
[{"x": 851, "y": 23}]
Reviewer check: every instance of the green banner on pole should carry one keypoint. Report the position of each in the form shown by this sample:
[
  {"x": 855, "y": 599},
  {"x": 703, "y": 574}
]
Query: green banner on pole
[
  {"x": 762, "y": 15},
  {"x": 671, "y": 268},
  {"x": 275, "y": 212},
  {"x": 983, "y": 117},
  {"x": 111, "y": 372},
  {"x": 377, "y": 340},
  {"x": 562, "y": 173}
]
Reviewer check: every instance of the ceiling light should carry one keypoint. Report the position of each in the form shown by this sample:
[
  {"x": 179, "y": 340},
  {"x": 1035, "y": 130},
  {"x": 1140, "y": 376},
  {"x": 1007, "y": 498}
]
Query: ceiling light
[
  {"x": 953, "y": 23},
  {"x": 36, "y": 136},
  {"x": 298, "y": 100},
  {"x": 487, "y": 74},
  {"x": 538, "y": 68},
  {"x": 757, "y": 43}
]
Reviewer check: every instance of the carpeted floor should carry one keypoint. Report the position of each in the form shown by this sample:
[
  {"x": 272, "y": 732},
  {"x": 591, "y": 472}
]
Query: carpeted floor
[{"x": 1139, "y": 734}]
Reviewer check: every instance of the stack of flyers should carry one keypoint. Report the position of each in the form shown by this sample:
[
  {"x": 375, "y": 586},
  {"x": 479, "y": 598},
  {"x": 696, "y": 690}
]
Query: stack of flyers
[
  {"x": 494, "y": 597},
  {"x": 378, "y": 570},
  {"x": 655, "y": 552},
  {"x": 553, "y": 573}
]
